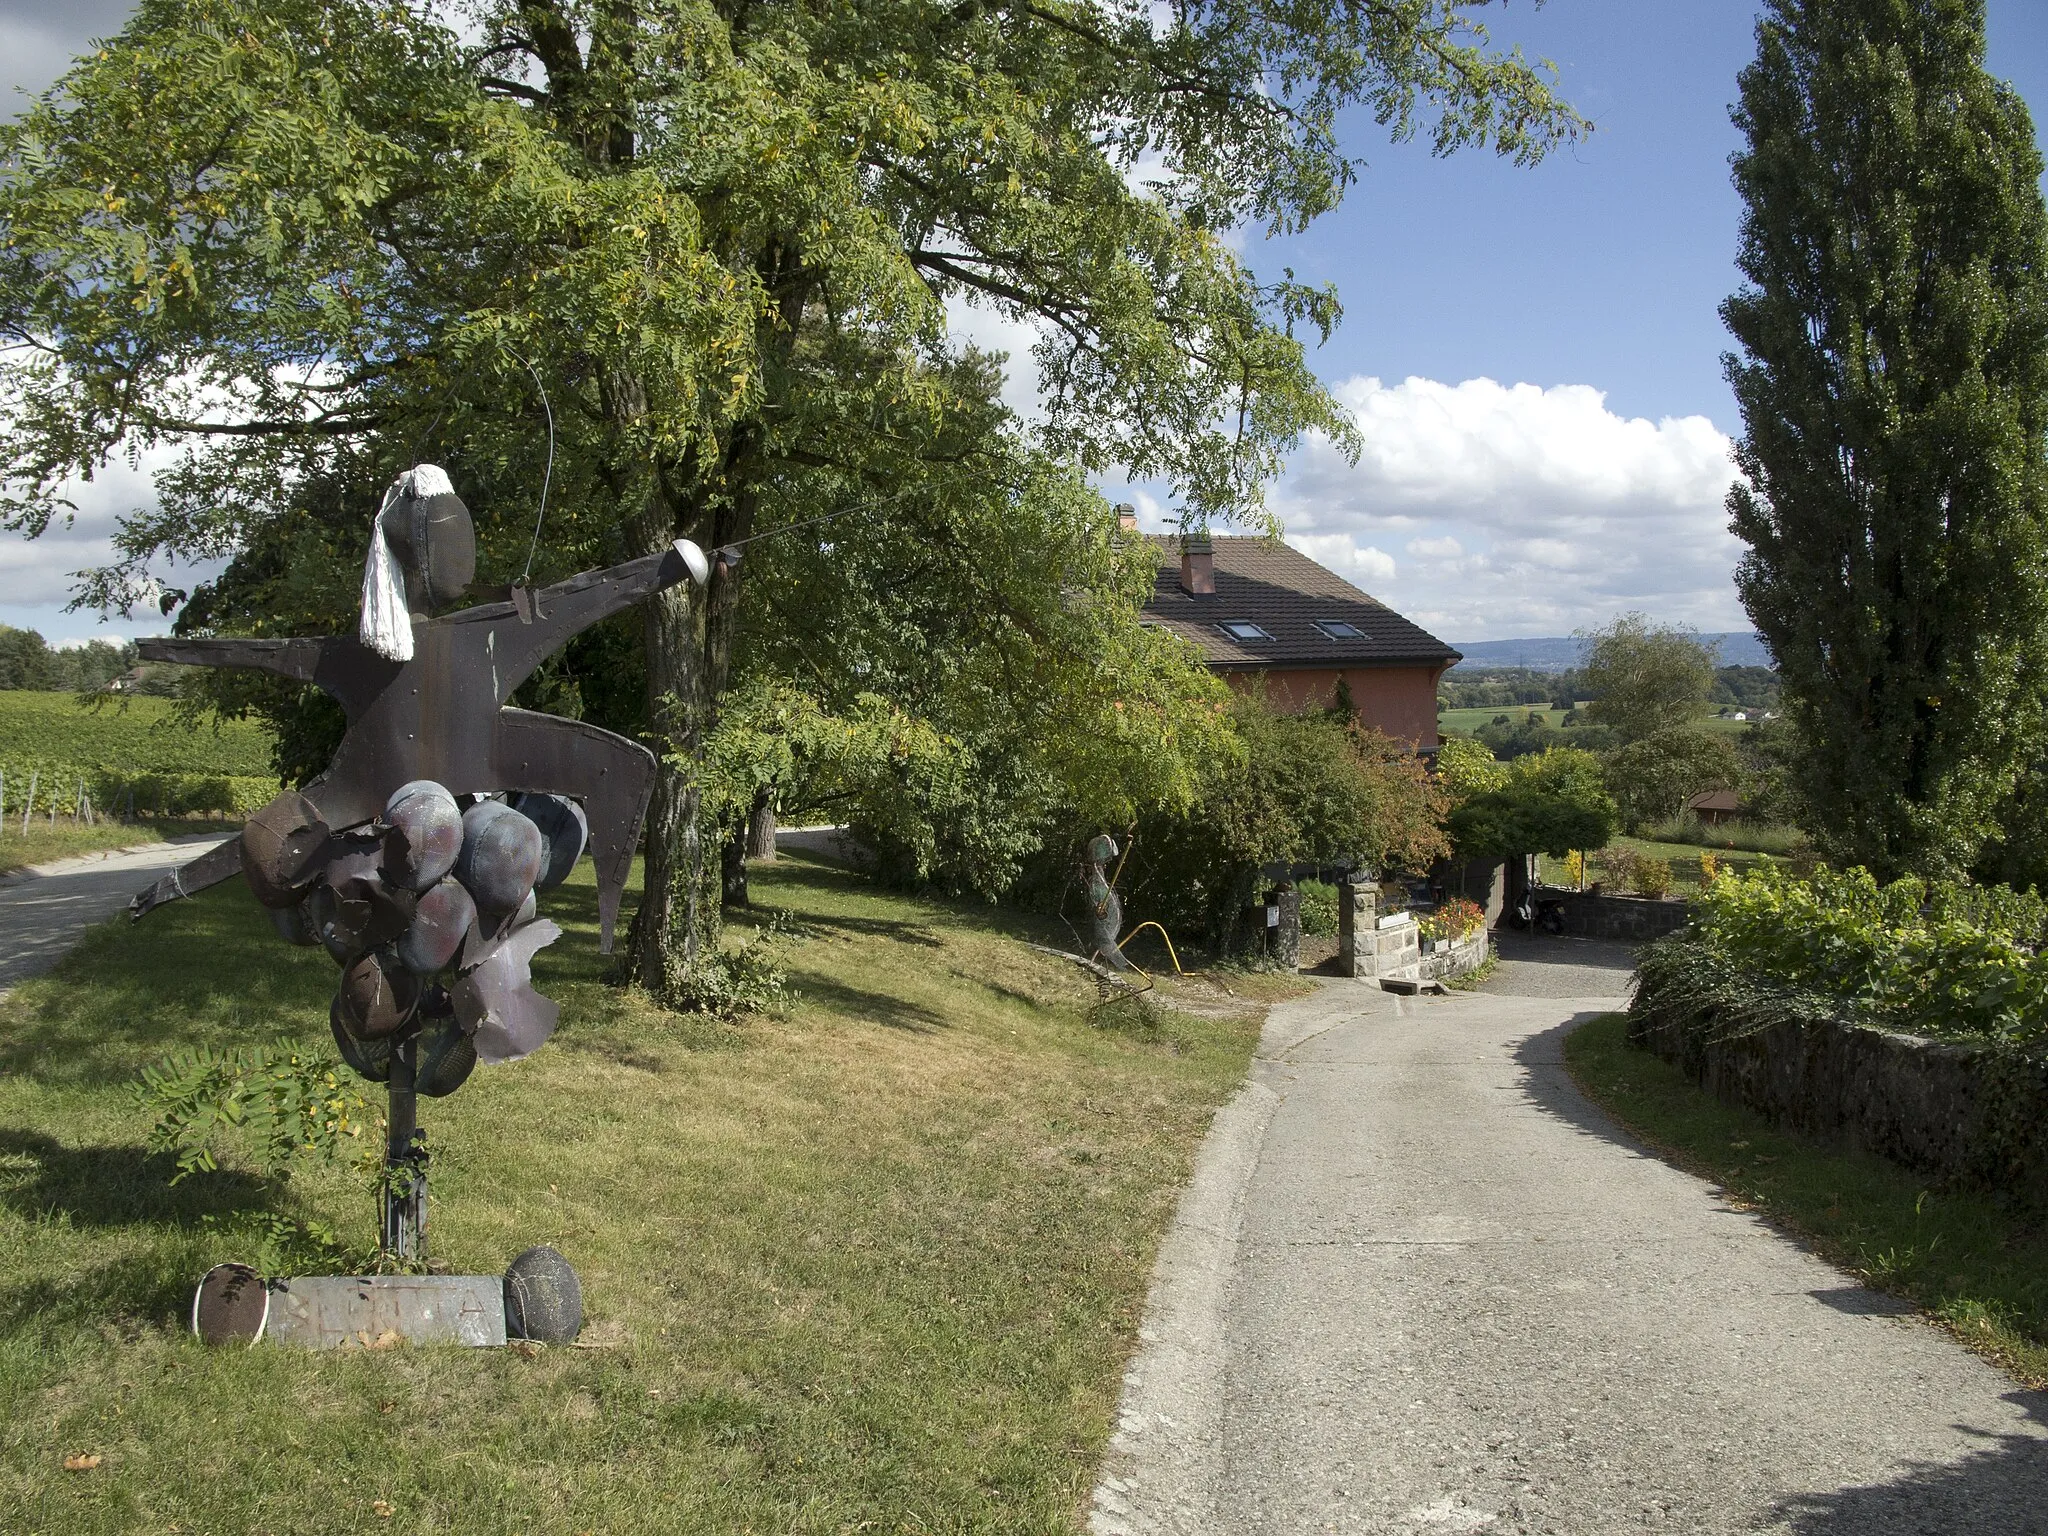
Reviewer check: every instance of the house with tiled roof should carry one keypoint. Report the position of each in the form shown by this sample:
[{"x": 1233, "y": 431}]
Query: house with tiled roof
[{"x": 1258, "y": 610}]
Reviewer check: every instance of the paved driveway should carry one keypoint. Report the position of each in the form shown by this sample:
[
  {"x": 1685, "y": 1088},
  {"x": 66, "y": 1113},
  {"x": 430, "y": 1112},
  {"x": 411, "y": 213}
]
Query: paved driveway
[
  {"x": 44, "y": 911},
  {"x": 1420, "y": 1285}
]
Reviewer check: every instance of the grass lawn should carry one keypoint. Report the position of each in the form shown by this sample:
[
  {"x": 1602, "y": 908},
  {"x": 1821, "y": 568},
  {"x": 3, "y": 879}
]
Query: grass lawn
[
  {"x": 45, "y": 842},
  {"x": 875, "y": 1265},
  {"x": 1971, "y": 1263},
  {"x": 1469, "y": 720}
]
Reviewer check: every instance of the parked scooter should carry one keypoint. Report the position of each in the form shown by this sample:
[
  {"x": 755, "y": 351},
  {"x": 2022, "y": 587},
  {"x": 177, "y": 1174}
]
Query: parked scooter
[{"x": 1546, "y": 914}]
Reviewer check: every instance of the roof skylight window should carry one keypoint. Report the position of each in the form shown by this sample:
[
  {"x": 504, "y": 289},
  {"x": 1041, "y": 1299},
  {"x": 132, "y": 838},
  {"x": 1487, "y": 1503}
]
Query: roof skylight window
[
  {"x": 1243, "y": 629},
  {"x": 1340, "y": 629}
]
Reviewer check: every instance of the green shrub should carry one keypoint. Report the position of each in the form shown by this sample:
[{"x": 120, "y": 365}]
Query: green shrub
[
  {"x": 1310, "y": 789},
  {"x": 1546, "y": 802},
  {"x": 1934, "y": 959},
  {"x": 1318, "y": 908},
  {"x": 1653, "y": 876},
  {"x": 1614, "y": 868}
]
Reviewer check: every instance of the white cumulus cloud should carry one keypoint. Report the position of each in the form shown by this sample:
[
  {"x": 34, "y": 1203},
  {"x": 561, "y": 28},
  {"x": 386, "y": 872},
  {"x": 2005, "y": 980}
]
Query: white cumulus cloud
[
  {"x": 1527, "y": 511},
  {"x": 39, "y": 577},
  {"x": 1363, "y": 564}
]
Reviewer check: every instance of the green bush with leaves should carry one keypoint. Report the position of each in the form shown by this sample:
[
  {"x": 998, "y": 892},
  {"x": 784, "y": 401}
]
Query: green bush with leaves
[
  {"x": 1306, "y": 789},
  {"x": 1931, "y": 958},
  {"x": 1548, "y": 802},
  {"x": 280, "y": 1101},
  {"x": 1318, "y": 908}
]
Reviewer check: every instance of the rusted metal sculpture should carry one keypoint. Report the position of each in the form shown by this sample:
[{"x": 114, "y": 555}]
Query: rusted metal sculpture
[{"x": 415, "y": 858}]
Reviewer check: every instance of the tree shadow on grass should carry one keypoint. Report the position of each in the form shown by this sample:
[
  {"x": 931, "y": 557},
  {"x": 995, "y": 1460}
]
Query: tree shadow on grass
[
  {"x": 41, "y": 1178},
  {"x": 1999, "y": 1485},
  {"x": 206, "y": 971},
  {"x": 153, "y": 1289},
  {"x": 897, "y": 930},
  {"x": 871, "y": 1007}
]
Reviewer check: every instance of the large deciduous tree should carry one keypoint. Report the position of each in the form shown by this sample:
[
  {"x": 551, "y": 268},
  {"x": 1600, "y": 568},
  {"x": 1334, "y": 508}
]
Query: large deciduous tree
[
  {"x": 1893, "y": 382},
  {"x": 1645, "y": 677},
  {"x": 314, "y": 239}
]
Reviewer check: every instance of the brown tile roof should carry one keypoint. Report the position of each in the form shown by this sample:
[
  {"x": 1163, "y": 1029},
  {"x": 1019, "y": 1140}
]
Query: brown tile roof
[{"x": 1283, "y": 592}]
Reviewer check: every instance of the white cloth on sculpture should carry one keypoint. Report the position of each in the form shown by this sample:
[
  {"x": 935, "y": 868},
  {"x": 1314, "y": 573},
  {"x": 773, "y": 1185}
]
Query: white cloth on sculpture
[{"x": 386, "y": 627}]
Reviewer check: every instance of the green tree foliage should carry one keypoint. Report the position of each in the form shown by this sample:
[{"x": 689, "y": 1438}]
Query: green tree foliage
[
  {"x": 1548, "y": 802},
  {"x": 1894, "y": 391},
  {"x": 1748, "y": 688},
  {"x": 25, "y": 660},
  {"x": 318, "y": 238},
  {"x": 1643, "y": 678},
  {"x": 1466, "y": 688},
  {"x": 1305, "y": 789},
  {"x": 28, "y": 662},
  {"x": 1769, "y": 751},
  {"x": 1507, "y": 736},
  {"x": 1466, "y": 768},
  {"x": 1654, "y": 777}
]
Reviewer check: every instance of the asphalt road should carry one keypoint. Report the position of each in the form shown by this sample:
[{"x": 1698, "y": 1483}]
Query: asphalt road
[
  {"x": 46, "y": 910},
  {"x": 1419, "y": 1284}
]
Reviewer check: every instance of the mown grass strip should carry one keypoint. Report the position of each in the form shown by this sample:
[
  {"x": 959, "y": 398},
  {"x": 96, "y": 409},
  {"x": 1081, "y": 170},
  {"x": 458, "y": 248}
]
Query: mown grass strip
[
  {"x": 1966, "y": 1259},
  {"x": 876, "y": 1265},
  {"x": 46, "y": 843}
]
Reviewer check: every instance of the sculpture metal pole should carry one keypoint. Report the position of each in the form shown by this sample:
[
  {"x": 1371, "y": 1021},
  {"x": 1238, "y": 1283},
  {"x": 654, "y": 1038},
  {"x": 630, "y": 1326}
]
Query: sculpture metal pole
[{"x": 402, "y": 1195}]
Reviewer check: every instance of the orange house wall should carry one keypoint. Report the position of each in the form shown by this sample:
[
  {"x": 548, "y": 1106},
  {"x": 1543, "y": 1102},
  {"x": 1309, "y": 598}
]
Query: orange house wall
[{"x": 1400, "y": 701}]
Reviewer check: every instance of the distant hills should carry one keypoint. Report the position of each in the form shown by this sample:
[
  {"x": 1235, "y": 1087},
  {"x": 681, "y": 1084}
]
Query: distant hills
[{"x": 1560, "y": 653}]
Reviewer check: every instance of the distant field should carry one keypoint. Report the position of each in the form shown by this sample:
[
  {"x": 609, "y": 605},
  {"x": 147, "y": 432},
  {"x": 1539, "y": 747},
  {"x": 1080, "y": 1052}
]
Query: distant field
[
  {"x": 128, "y": 748},
  {"x": 1469, "y": 720}
]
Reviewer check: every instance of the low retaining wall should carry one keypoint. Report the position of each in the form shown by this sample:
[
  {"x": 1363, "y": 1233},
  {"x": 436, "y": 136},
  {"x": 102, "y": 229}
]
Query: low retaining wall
[
  {"x": 1630, "y": 919},
  {"x": 1970, "y": 1114},
  {"x": 1456, "y": 957}
]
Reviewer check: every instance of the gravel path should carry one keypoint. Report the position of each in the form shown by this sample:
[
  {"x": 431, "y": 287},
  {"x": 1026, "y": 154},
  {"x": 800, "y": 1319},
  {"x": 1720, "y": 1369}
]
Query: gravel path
[
  {"x": 1418, "y": 1284},
  {"x": 1539, "y": 965},
  {"x": 46, "y": 910}
]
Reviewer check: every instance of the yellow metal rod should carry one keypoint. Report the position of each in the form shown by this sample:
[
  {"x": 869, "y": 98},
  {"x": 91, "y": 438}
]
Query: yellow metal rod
[{"x": 1120, "y": 943}]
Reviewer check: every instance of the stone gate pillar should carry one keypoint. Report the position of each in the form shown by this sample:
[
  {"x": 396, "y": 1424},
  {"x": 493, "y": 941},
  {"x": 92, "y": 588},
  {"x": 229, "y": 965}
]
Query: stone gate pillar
[{"x": 1358, "y": 916}]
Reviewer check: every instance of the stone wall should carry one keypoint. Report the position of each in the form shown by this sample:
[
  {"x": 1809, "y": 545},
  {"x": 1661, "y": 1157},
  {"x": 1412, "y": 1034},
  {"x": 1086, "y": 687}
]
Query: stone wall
[
  {"x": 1970, "y": 1114},
  {"x": 1456, "y": 957},
  {"x": 1376, "y": 948},
  {"x": 1630, "y": 919}
]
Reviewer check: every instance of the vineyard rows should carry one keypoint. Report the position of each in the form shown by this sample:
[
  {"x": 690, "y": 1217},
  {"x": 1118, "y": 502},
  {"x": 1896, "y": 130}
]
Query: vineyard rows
[{"x": 132, "y": 752}]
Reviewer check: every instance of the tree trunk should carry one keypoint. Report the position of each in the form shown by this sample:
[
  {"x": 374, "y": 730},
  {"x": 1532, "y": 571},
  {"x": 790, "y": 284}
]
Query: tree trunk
[
  {"x": 761, "y": 825},
  {"x": 688, "y": 643},
  {"x": 669, "y": 927},
  {"x": 732, "y": 862}
]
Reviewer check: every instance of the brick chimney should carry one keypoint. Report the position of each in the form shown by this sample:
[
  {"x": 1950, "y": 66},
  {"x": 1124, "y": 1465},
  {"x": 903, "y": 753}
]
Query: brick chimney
[
  {"x": 1197, "y": 565},
  {"x": 1126, "y": 517}
]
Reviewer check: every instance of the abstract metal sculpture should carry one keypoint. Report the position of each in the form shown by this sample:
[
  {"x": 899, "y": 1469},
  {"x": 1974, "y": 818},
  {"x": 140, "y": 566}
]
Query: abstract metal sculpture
[
  {"x": 1105, "y": 907},
  {"x": 402, "y": 859}
]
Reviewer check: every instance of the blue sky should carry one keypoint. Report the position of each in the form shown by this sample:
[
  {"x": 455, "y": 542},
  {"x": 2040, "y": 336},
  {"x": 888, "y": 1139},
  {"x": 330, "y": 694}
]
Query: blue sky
[
  {"x": 1592, "y": 282},
  {"x": 1534, "y": 354}
]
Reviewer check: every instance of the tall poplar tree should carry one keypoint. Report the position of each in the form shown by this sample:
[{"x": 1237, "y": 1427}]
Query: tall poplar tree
[{"x": 1893, "y": 382}]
